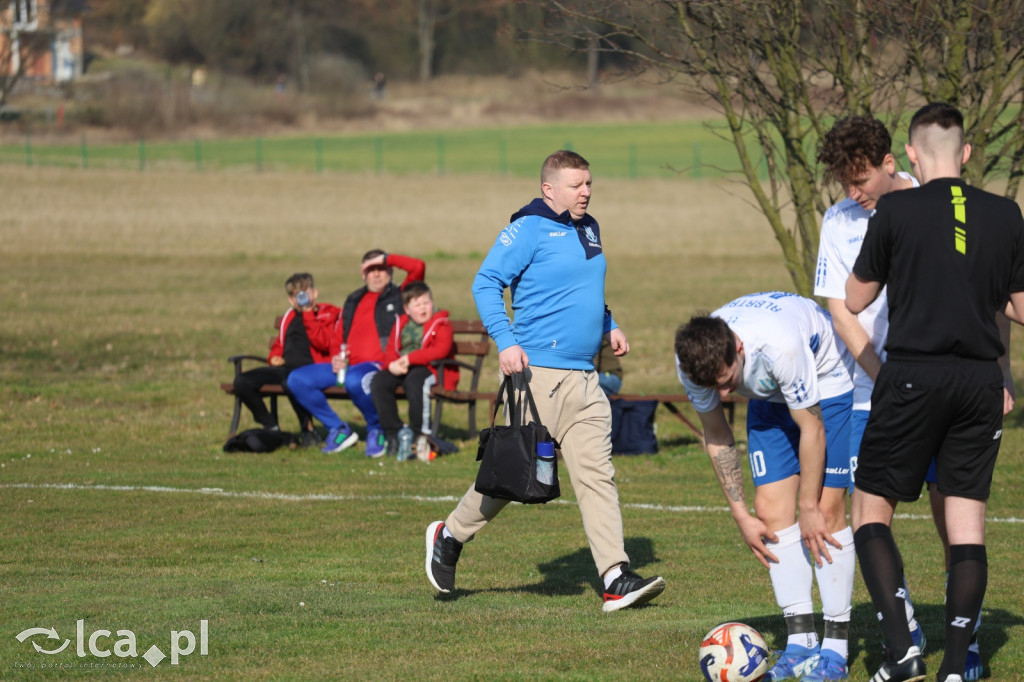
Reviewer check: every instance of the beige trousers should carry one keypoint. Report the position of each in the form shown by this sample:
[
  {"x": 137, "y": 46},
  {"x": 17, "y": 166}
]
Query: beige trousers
[{"x": 575, "y": 410}]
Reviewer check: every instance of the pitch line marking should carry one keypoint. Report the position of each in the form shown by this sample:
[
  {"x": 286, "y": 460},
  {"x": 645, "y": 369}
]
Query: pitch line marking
[{"x": 329, "y": 497}]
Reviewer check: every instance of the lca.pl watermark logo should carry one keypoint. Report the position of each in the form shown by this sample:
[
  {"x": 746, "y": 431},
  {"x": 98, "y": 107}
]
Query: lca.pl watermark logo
[{"x": 98, "y": 644}]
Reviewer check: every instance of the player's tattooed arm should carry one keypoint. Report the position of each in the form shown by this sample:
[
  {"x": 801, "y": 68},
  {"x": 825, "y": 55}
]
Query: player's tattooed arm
[
  {"x": 726, "y": 461},
  {"x": 728, "y": 466},
  {"x": 721, "y": 449},
  {"x": 815, "y": 411}
]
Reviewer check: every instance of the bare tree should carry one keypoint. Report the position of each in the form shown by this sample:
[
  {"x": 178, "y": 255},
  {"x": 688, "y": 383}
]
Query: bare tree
[{"x": 781, "y": 71}]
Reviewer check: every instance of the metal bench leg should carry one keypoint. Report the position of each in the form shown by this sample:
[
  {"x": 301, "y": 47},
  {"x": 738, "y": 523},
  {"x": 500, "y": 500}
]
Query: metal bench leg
[
  {"x": 472, "y": 419},
  {"x": 435, "y": 423},
  {"x": 693, "y": 427},
  {"x": 235, "y": 417}
]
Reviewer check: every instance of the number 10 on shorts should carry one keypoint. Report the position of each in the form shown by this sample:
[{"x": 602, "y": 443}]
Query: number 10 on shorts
[{"x": 757, "y": 467}]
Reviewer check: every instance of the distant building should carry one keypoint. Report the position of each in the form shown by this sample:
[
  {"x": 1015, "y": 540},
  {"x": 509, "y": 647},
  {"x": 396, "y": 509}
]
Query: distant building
[{"x": 43, "y": 37}]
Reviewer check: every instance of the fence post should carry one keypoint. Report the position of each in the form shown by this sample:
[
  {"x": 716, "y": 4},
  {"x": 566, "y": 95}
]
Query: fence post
[
  {"x": 199, "y": 155},
  {"x": 85, "y": 153},
  {"x": 319, "y": 155}
]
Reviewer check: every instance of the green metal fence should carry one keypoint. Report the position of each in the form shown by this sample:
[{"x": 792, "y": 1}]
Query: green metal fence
[{"x": 687, "y": 149}]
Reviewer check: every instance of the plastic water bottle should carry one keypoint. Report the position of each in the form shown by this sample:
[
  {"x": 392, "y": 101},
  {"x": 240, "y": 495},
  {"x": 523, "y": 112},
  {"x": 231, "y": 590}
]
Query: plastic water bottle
[
  {"x": 546, "y": 462},
  {"x": 344, "y": 364},
  {"x": 405, "y": 436}
]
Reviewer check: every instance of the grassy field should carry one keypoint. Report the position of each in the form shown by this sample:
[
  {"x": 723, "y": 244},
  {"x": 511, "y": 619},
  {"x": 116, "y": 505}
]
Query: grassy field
[
  {"x": 626, "y": 150},
  {"x": 122, "y": 294}
]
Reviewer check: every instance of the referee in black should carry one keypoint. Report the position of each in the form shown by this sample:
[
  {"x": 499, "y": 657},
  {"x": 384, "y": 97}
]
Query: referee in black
[{"x": 952, "y": 256}]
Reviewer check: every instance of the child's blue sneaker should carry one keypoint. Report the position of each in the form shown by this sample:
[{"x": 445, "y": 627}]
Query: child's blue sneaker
[
  {"x": 340, "y": 438},
  {"x": 830, "y": 666},
  {"x": 376, "y": 444},
  {"x": 792, "y": 663}
]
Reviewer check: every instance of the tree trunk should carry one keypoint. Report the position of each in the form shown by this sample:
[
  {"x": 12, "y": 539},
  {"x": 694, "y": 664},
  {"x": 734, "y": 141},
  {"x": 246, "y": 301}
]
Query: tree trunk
[
  {"x": 426, "y": 16},
  {"x": 593, "y": 62}
]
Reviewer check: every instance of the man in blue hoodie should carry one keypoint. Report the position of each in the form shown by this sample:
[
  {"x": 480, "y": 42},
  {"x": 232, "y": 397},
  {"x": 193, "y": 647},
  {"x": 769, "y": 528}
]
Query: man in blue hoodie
[{"x": 550, "y": 256}]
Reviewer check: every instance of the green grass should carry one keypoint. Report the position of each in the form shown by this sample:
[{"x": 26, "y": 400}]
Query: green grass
[
  {"x": 122, "y": 294},
  {"x": 648, "y": 150}
]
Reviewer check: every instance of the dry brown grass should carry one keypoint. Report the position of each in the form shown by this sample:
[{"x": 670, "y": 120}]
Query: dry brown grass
[
  {"x": 212, "y": 250},
  {"x": 157, "y": 213}
]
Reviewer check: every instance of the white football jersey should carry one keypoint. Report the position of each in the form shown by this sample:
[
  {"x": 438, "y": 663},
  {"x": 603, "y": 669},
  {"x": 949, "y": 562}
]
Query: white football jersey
[
  {"x": 791, "y": 352},
  {"x": 842, "y": 233}
]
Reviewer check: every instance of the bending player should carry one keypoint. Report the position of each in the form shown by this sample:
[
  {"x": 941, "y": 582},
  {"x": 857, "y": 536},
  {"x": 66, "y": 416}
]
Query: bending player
[{"x": 780, "y": 350}]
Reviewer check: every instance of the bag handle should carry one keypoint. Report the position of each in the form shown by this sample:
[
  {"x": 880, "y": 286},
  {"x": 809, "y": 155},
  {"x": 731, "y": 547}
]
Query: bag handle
[{"x": 516, "y": 407}]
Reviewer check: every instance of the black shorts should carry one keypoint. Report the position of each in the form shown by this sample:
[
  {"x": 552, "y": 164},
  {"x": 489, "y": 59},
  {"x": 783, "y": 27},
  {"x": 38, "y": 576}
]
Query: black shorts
[{"x": 950, "y": 410}]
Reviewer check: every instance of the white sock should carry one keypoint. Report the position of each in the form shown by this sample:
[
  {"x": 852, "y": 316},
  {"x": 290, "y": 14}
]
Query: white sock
[
  {"x": 808, "y": 640},
  {"x": 611, "y": 575},
  {"x": 791, "y": 579},
  {"x": 835, "y": 584},
  {"x": 840, "y": 646},
  {"x": 447, "y": 533}
]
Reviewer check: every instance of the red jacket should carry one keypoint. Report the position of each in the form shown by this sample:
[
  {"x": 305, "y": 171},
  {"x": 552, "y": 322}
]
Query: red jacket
[
  {"x": 319, "y": 324},
  {"x": 369, "y": 337},
  {"x": 437, "y": 343}
]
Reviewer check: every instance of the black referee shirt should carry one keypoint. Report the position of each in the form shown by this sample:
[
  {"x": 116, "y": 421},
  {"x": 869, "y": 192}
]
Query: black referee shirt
[{"x": 950, "y": 255}]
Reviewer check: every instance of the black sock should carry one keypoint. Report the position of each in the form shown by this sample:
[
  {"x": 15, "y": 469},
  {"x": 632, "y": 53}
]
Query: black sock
[
  {"x": 882, "y": 568},
  {"x": 965, "y": 590},
  {"x": 836, "y": 630},
  {"x": 802, "y": 624}
]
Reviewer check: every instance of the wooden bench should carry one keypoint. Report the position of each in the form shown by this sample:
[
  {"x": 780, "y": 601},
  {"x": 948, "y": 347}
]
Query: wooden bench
[
  {"x": 472, "y": 346},
  {"x": 669, "y": 400}
]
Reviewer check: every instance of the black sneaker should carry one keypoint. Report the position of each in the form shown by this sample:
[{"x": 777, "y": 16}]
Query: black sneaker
[
  {"x": 310, "y": 439},
  {"x": 910, "y": 668},
  {"x": 390, "y": 444},
  {"x": 442, "y": 555},
  {"x": 629, "y": 589}
]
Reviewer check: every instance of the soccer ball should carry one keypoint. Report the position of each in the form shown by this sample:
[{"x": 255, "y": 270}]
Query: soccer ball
[{"x": 733, "y": 652}]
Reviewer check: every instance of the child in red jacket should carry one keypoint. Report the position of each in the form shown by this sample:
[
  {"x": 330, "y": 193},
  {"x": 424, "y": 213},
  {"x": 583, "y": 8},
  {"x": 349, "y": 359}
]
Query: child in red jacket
[
  {"x": 419, "y": 337},
  {"x": 303, "y": 339}
]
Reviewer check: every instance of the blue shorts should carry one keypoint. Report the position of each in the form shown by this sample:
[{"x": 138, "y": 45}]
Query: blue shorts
[{"x": 773, "y": 441}]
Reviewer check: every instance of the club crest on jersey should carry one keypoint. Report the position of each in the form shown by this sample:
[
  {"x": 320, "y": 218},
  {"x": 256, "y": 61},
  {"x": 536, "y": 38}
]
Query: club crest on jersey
[
  {"x": 590, "y": 239},
  {"x": 509, "y": 233}
]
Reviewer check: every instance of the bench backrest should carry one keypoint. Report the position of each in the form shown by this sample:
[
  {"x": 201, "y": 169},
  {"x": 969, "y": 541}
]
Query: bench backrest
[{"x": 472, "y": 345}]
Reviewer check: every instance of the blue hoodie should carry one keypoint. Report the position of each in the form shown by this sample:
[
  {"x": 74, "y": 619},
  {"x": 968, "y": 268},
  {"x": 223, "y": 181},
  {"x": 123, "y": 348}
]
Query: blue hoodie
[{"x": 555, "y": 270}]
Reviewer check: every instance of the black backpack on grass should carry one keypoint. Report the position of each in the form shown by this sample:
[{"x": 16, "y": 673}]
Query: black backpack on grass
[{"x": 257, "y": 440}]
